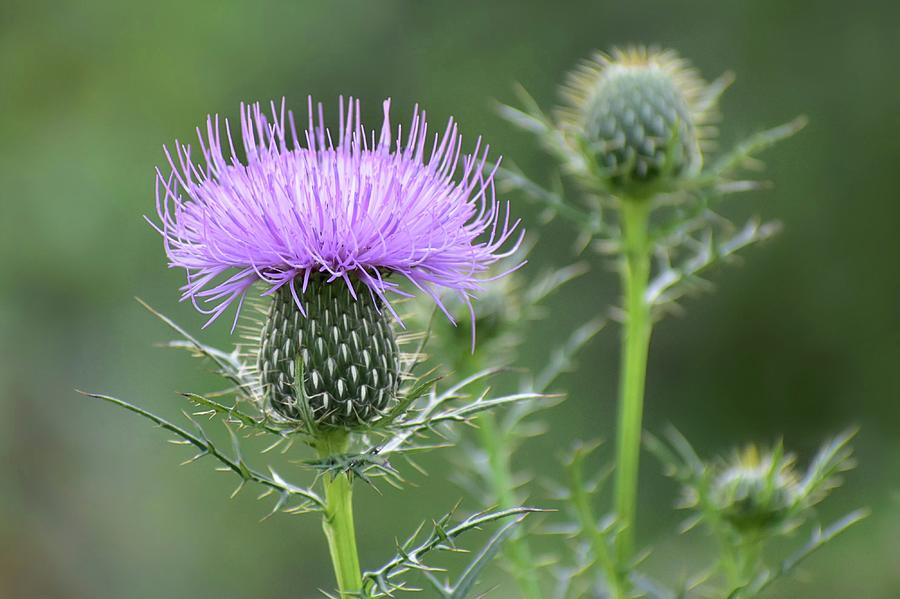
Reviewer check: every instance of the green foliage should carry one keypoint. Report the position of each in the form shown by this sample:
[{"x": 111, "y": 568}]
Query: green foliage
[
  {"x": 753, "y": 501},
  {"x": 688, "y": 235},
  {"x": 486, "y": 467},
  {"x": 273, "y": 482},
  {"x": 593, "y": 538},
  {"x": 91, "y": 90},
  {"x": 388, "y": 579},
  {"x": 420, "y": 419},
  {"x": 818, "y": 539},
  {"x": 633, "y": 137}
]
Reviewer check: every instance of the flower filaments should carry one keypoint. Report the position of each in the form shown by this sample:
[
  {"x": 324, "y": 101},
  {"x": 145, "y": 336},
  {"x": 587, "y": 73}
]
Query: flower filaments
[
  {"x": 349, "y": 204},
  {"x": 329, "y": 228},
  {"x": 639, "y": 116}
]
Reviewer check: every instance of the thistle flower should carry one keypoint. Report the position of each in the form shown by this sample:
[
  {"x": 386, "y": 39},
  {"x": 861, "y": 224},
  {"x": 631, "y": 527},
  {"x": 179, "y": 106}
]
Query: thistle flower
[
  {"x": 640, "y": 117},
  {"x": 330, "y": 229}
]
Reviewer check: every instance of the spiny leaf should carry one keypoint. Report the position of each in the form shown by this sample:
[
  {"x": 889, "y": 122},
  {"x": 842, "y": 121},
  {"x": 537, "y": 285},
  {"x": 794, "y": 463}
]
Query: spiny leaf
[
  {"x": 229, "y": 365},
  {"x": 422, "y": 387},
  {"x": 433, "y": 409},
  {"x": 465, "y": 412},
  {"x": 206, "y": 447},
  {"x": 818, "y": 540},
  {"x": 835, "y": 457},
  {"x": 464, "y": 587},
  {"x": 234, "y": 413},
  {"x": 512, "y": 178},
  {"x": 672, "y": 281},
  {"x": 363, "y": 466},
  {"x": 381, "y": 582},
  {"x": 552, "y": 281},
  {"x": 563, "y": 358},
  {"x": 746, "y": 150},
  {"x": 531, "y": 119}
]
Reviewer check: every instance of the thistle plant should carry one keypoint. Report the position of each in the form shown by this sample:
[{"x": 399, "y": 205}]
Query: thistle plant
[
  {"x": 346, "y": 255},
  {"x": 324, "y": 235},
  {"x": 486, "y": 466},
  {"x": 635, "y": 133},
  {"x": 752, "y": 500}
]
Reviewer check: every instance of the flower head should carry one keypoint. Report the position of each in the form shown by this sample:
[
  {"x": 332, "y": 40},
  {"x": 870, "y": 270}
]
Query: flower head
[
  {"x": 641, "y": 115},
  {"x": 347, "y": 206},
  {"x": 756, "y": 490}
]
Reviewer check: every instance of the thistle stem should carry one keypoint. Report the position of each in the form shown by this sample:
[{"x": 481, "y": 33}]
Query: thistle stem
[
  {"x": 337, "y": 521},
  {"x": 518, "y": 551},
  {"x": 635, "y": 275},
  {"x": 582, "y": 503},
  {"x": 740, "y": 561}
]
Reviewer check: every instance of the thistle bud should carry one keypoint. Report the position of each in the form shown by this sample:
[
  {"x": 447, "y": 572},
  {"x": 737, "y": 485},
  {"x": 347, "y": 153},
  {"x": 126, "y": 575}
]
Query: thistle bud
[
  {"x": 756, "y": 492},
  {"x": 637, "y": 116},
  {"x": 337, "y": 363}
]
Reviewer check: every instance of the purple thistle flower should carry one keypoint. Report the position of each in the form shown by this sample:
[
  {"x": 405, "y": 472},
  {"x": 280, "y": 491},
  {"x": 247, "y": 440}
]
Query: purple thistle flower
[{"x": 354, "y": 206}]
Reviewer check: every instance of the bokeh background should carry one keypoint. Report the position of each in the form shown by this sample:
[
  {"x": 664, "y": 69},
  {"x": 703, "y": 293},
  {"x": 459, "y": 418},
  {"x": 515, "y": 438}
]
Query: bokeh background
[{"x": 801, "y": 340}]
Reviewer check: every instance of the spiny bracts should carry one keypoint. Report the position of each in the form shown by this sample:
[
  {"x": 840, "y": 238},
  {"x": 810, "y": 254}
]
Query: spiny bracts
[
  {"x": 337, "y": 365},
  {"x": 757, "y": 492},
  {"x": 638, "y": 115}
]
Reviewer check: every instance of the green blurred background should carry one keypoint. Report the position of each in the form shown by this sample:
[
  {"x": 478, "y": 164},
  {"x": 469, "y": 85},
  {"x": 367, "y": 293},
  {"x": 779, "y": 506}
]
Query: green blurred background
[{"x": 803, "y": 339}]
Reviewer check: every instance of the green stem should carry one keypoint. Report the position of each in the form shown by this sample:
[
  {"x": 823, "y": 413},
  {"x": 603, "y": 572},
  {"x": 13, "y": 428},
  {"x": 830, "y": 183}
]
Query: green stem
[
  {"x": 337, "y": 521},
  {"x": 741, "y": 562},
  {"x": 729, "y": 564},
  {"x": 517, "y": 549},
  {"x": 582, "y": 503},
  {"x": 635, "y": 273}
]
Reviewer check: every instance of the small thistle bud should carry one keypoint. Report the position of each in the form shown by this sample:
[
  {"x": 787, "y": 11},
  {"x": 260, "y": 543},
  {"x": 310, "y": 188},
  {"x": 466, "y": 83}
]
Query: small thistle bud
[
  {"x": 345, "y": 347},
  {"x": 638, "y": 116},
  {"x": 756, "y": 492}
]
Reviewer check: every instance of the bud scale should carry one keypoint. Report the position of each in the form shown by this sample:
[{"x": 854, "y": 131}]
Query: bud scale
[
  {"x": 347, "y": 350},
  {"x": 638, "y": 114}
]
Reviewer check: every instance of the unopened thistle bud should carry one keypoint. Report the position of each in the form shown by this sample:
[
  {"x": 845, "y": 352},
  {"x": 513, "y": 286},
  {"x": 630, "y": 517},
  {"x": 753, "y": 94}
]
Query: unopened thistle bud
[
  {"x": 338, "y": 363},
  {"x": 757, "y": 492},
  {"x": 638, "y": 116}
]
